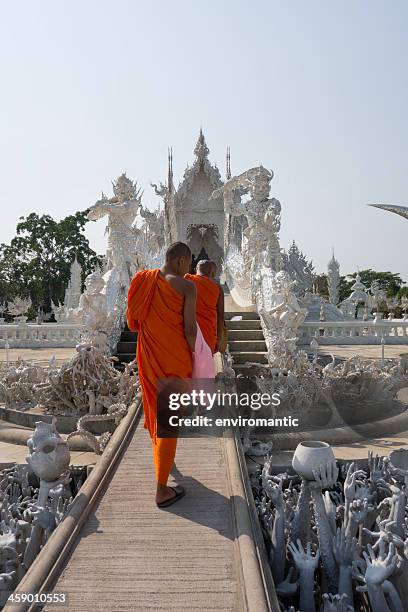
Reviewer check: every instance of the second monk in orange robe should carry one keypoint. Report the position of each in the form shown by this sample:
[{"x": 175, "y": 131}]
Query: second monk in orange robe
[
  {"x": 161, "y": 308},
  {"x": 210, "y": 303}
]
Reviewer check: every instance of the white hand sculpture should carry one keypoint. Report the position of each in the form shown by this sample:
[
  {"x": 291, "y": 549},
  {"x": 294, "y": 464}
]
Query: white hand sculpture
[
  {"x": 381, "y": 567},
  {"x": 287, "y": 588},
  {"x": 345, "y": 548},
  {"x": 336, "y": 603},
  {"x": 351, "y": 482},
  {"x": 326, "y": 475},
  {"x": 303, "y": 559}
]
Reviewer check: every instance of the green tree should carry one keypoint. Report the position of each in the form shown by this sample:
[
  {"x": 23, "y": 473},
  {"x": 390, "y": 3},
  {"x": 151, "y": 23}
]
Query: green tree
[
  {"x": 37, "y": 261},
  {"x": 321, "y": 286}
]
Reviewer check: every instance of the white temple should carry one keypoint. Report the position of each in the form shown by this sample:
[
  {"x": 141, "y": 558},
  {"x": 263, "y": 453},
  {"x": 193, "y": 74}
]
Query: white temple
[
  {"x": 236, "y": 223},
  {"x": 190, "y": 214}
]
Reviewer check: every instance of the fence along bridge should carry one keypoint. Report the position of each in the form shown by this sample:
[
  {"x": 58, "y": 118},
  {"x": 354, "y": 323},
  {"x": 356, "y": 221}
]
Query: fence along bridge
[{"x": 116, "y": 550}]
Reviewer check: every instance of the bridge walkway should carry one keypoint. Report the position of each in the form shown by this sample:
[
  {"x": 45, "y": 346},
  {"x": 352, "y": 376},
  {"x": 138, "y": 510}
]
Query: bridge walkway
[{"x": 198, "y": 555}]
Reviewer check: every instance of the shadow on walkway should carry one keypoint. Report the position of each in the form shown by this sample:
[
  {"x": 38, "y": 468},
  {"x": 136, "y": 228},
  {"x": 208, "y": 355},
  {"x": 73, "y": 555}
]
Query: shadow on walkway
[{"x": 206, "y": 507}]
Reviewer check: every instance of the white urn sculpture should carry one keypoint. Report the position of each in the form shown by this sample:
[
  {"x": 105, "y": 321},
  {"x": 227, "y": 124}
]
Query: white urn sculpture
[
  {"x": 309, "y": 456},
  {"x": 399, "y": 464}
]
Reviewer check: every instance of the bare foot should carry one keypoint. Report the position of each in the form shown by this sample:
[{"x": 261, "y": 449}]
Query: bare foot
[{"x": 164, "y": 493}]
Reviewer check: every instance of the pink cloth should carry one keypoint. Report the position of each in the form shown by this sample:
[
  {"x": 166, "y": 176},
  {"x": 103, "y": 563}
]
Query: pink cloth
[{"x": 203, "y": 362}]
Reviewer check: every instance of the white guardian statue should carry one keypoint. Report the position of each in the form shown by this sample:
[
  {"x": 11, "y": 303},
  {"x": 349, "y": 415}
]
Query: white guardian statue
[{"x": 122, "y": 211}]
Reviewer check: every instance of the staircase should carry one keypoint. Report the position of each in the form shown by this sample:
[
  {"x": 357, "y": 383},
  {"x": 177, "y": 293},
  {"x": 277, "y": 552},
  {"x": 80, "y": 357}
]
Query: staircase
[
  {"x": 126, "y": 348},
  {"x": 246, "y": 343}
]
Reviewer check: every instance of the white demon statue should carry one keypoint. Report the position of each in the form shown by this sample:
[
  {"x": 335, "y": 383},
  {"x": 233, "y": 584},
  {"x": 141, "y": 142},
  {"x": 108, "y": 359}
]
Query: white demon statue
[
  {"x": 254, "y": 272},
  {"x": 260, "y": 242},
  {"x": 122, "y": 211}
]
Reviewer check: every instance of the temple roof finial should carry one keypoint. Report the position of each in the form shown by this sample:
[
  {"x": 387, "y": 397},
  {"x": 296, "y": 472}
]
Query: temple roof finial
[{"x": 201, "y": 150}]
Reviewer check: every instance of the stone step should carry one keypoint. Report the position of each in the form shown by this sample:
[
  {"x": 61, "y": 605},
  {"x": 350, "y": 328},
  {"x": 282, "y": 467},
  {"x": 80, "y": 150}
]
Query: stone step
[
  {"x": 128, "y": 336},
  {"x": 247, "y": 345},
  {"x": 125, "y": 357},
  {"x": 247, "y": 316},
  {"x": 252, "y": 370},
  {"x": 254, "y": 357},
  {"x": 245, "y": 334},
  {"x": 126, "y": 347},
  {"x": 246, "y": 324}
]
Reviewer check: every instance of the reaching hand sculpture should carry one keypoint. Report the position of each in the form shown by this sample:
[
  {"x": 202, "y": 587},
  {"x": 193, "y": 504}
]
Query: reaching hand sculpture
[
  {"x": 336, "y": 603},
  {"x": 325, "y": 477},
  {"x": 378, "y": 569},
  {"x": 277, "y": 533},
  {"x": 375, "y": 508},
  {"x": 345, "y": 550},
  {"x": 300, "y": 528},
  {"x": 306, "y": 563},
  {"x": 288, "y": 588}
]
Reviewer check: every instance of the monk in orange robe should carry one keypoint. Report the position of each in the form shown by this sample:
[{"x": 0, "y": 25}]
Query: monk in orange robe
[
  {"x": 161, "y": 308},
  {"x": 210, "y": 303}
]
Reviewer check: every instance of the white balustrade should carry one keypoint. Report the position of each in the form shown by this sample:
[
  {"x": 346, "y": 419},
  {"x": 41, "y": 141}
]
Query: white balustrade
[
  {"x": 354, "y": 332},
  {"x": 32, "y": 335}
]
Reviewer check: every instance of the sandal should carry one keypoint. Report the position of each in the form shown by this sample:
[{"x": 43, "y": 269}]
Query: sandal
[{"x": 180, "y": 492}]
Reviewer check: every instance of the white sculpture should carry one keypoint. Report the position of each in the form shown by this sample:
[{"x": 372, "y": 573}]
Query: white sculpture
[
  {"x": 299, "y": 268},
  {"x": 86, "y": 384},
  {"x": 259, "y": 248},
  {"x": 18, "y": 307},
  {"x": 281, "y": 316},
  {"x": 49, "y": 454},
  {"x": 261, "y": 242},
  {"x": 93, "y": 311},
  {"x": 121, "y": 210},
  {"x": 151, "y": 238}
]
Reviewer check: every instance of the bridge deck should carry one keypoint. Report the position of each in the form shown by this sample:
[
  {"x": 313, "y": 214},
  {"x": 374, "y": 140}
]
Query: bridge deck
[{"x": 133, "y": 556}]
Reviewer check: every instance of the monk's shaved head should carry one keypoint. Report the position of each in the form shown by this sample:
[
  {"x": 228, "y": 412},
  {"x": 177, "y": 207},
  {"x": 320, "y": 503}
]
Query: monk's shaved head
[
  {"x": 176, "y": 250},
  {"x": 204, "y": 267},
  {"x": 178, "y": 259}
]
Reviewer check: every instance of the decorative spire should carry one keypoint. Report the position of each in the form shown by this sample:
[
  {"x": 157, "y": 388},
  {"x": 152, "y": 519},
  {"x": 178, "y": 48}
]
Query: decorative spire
[
  {"x": 228, "y": 164},
  {"x": 333, "y": 263},
  {"x": 201, "y": 150},
  {"x": 170, "y": 169},
  {"x": 333, "y": 280}
]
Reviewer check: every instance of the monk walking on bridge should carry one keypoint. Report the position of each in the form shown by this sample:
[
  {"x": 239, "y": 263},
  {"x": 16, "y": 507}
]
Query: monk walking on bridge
[
  {"x": 210, "y": 303},
  {"x": 162, "y": 309}
]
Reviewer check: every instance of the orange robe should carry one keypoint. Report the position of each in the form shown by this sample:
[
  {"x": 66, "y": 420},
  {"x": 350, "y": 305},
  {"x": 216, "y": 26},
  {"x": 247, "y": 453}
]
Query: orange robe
[
  {"x": 208, "y": 292},
  {"x": 155, "y": 311}
]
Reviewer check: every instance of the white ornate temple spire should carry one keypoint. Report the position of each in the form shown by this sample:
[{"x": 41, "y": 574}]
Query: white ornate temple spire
[
  {"x": 333, "y": 280},
  {"x": 170, "y": 184},
  {"x": 73, "y": 291},
  {"x": 201, "y": 150},
  {"x": 228, "y": 164}
]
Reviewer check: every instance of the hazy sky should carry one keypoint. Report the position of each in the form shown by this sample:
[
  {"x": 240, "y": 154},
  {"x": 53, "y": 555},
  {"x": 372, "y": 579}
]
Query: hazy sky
[{"x": 315, "y": 90}]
